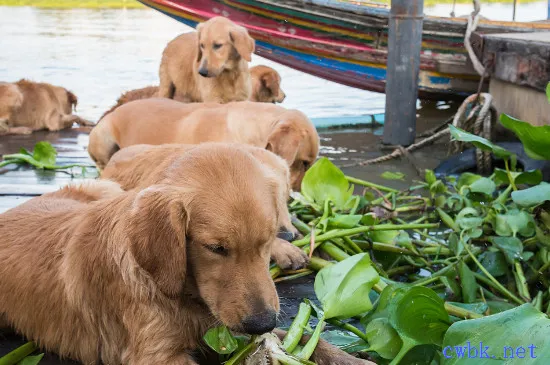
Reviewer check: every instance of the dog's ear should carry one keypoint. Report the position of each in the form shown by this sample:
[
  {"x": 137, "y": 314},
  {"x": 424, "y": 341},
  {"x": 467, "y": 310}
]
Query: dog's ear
[
  {"x": 199, "y": 52},
  {"x": 243, "y": 42},
  {"x": 73, "y": 100},
  {"x": 284, "y": 141},
  {"x": 156, "y": 230},
  {"x": 270, "y": 82}
]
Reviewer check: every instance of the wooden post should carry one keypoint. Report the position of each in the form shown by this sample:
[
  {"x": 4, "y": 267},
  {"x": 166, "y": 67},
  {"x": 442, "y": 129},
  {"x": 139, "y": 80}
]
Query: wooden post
[{"x": 404, "y": 44}]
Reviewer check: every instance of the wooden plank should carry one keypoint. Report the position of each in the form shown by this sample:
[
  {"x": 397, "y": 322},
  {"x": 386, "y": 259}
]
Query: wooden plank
[{"x": 27, "y": 190}]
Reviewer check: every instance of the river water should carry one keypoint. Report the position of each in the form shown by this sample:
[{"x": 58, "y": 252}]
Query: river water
[{"x": 98, "y": 54}]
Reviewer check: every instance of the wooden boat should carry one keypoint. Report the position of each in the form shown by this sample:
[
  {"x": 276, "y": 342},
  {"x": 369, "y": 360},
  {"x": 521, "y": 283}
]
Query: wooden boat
[{"x": 346, "y": 42}]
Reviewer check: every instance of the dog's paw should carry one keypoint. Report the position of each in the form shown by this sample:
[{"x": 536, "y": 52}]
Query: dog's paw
[{"x": 287, "y": 256}]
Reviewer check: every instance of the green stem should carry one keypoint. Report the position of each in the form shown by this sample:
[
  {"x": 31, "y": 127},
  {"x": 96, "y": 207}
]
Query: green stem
[
  {"x": 241, "y": 355},
  {"x": 449, "y": 222},
  {"x": 461, "y": 312},
  {"x": 354, "y": 231},
  {"x": 317, "y": 263},
  {"x": 368, "y": 184},
  {"x": 512, "y": 183},
  {"x": 293, "y": 276},
  {"x": 18, "y": 354},
  {"x": 31, "y": 161},
  {"x": 296, "y": 329},
  {"x": 348, "y": 327},
  {"x": 334, "y": 251},
  {"x": 498, "y": 285},
  {"x": 310, "y": 346}
]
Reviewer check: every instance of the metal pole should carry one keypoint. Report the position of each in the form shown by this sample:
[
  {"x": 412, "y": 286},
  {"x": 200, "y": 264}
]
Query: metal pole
[
  {"x": 514, "y": 13},
  {"x": 404, "y": 43},
  {"x": 548, "y": 16}
]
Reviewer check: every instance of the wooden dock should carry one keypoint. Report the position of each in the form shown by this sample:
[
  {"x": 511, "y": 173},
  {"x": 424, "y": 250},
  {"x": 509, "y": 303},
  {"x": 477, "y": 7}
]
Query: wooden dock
[{"x": 519, "y": 66}]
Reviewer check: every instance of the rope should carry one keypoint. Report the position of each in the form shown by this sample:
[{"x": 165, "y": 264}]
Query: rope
[
  {"x": 475, "y": 115},
  {"x": 479, "y": 121},
  {"x": 473, "y": 21}
]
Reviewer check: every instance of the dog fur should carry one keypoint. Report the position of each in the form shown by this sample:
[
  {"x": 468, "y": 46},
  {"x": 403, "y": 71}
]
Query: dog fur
[
  {"x": 287, "y": 133},
  {"x": 140, "y": 166},
  {"x": 210, "y": 65},
  {"x": 265, "y": 86},
  {"x": 27, "y": 106},
  {"x": 137, "y": 277}
]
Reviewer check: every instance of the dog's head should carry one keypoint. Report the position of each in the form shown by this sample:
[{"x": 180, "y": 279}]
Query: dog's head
[
  {"x": 212, "y": 235},
  {"x": 295, "y": 139},
  {"x": 266, "y": 85},
  {"x": 222, "y": 44}
]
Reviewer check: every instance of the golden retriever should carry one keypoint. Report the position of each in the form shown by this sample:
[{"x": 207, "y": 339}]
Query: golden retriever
[
  {"x": 140, "y": 166},
  {"x": 27, "y": 106},
  {"x": 265, "y": 85},
  {"x": 287, "y": 133},
  {"x": 105, "y": 276},
  {"x": 210, "y": 65}
]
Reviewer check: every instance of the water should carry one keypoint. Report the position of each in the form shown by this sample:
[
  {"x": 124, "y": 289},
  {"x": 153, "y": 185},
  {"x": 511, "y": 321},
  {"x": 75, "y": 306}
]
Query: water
[{"x": 99, "y": 54}]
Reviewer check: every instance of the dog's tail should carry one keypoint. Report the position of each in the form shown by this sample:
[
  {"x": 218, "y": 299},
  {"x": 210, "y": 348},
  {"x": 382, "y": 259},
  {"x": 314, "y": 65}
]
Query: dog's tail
[{"x": 102, "y": 143}]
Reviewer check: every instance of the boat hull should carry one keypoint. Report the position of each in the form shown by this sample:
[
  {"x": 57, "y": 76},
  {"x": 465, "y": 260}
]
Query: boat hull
[{"x": 342, "y": 46}]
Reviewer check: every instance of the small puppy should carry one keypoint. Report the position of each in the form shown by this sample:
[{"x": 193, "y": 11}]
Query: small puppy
[
  {"x": 266, "y": 85},
  {"x": 140, "y": 166},
  {"x": 104, "y": 276},
  {"x": 27, "y": 106},
  {"x": 287, "y": 133},
  {"x": 210, "y": 65}
]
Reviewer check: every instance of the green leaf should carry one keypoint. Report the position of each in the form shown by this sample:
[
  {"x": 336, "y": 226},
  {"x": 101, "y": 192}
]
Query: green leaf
[
  {"x": 31, "y": 360},
  {"x": 532, "y": 196},
  {"x": 494, "y": 262},
  {"x": 393, "y": 175},
  {"x": 468, "y": 218},
  {"x": 467, "y": 179},
  {"x": 468, "y": 283},
  {"x": 520, "y": 329},
  {"x": 531, "y": 177},
  {"x": 326, "y": 181},
  {"x": 480, "y": 142},
  {"x": 221, "y": 340},
  {"x": 484, "y": 186},
  {"x": 455, "y": 244},
  {"x": 417, "y": 313},
  {"x": 535, "y": 139},
  {"x": 511, "y": 247},
  {"x": 343, "y": 288},
  {"x": 430, "y": 177},
  {"x": 497, "y": 306},
  {"x": 344, "y": 221},
  {"x": 383, "y": 236},
  {"x": 345, "y": 341},
  {"x": 514, "y": 222},
  {"x": 44, "y": 153},
  {"x": 548, "y": 92},
  {"x": 25, "y": 151},
  {"x": 383, "y": 338}
]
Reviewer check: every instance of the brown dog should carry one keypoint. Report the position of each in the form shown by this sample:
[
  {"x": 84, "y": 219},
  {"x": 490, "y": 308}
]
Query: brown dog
[
  {"x": 27, "y": 106},
  {"x": 265, "y": 85},
  {"x": 287, "y": 133},
  {"x": 140, "y": 166},
  {"x": 210, "y": 65},
  {"x": 105, "y": 276}
]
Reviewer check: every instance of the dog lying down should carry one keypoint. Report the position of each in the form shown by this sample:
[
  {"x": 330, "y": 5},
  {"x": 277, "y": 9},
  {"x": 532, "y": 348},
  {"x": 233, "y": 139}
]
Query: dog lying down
[
  {"x": 106, "y": 276},
  {"x": 27, "y": 106},
  {"x": 140, "y": 166},
  {"x": 287, "y": 133}
]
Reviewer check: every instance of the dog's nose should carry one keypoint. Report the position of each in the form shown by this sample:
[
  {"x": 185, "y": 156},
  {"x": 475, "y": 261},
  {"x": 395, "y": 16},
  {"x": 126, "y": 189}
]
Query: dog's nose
[
  {"x": 203, "y": 72},
  {"x": 286, "y": 235},
  {"x": 260, "y": 323}
]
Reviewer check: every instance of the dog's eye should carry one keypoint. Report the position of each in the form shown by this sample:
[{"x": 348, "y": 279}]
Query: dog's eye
[
  {"x": 218, "y": 249},
  {"x": 217, "y": 46},
  {"x": 202, "y": 45}
]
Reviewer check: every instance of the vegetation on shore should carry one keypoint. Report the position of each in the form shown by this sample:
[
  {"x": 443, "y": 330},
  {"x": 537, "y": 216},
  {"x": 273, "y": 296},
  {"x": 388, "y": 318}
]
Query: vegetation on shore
[{"x": 69, "y": 4}]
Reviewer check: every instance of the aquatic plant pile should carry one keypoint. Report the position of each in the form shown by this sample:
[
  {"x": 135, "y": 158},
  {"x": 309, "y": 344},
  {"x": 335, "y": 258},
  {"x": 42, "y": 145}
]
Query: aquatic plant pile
[{"x": 447, "y": 270}]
